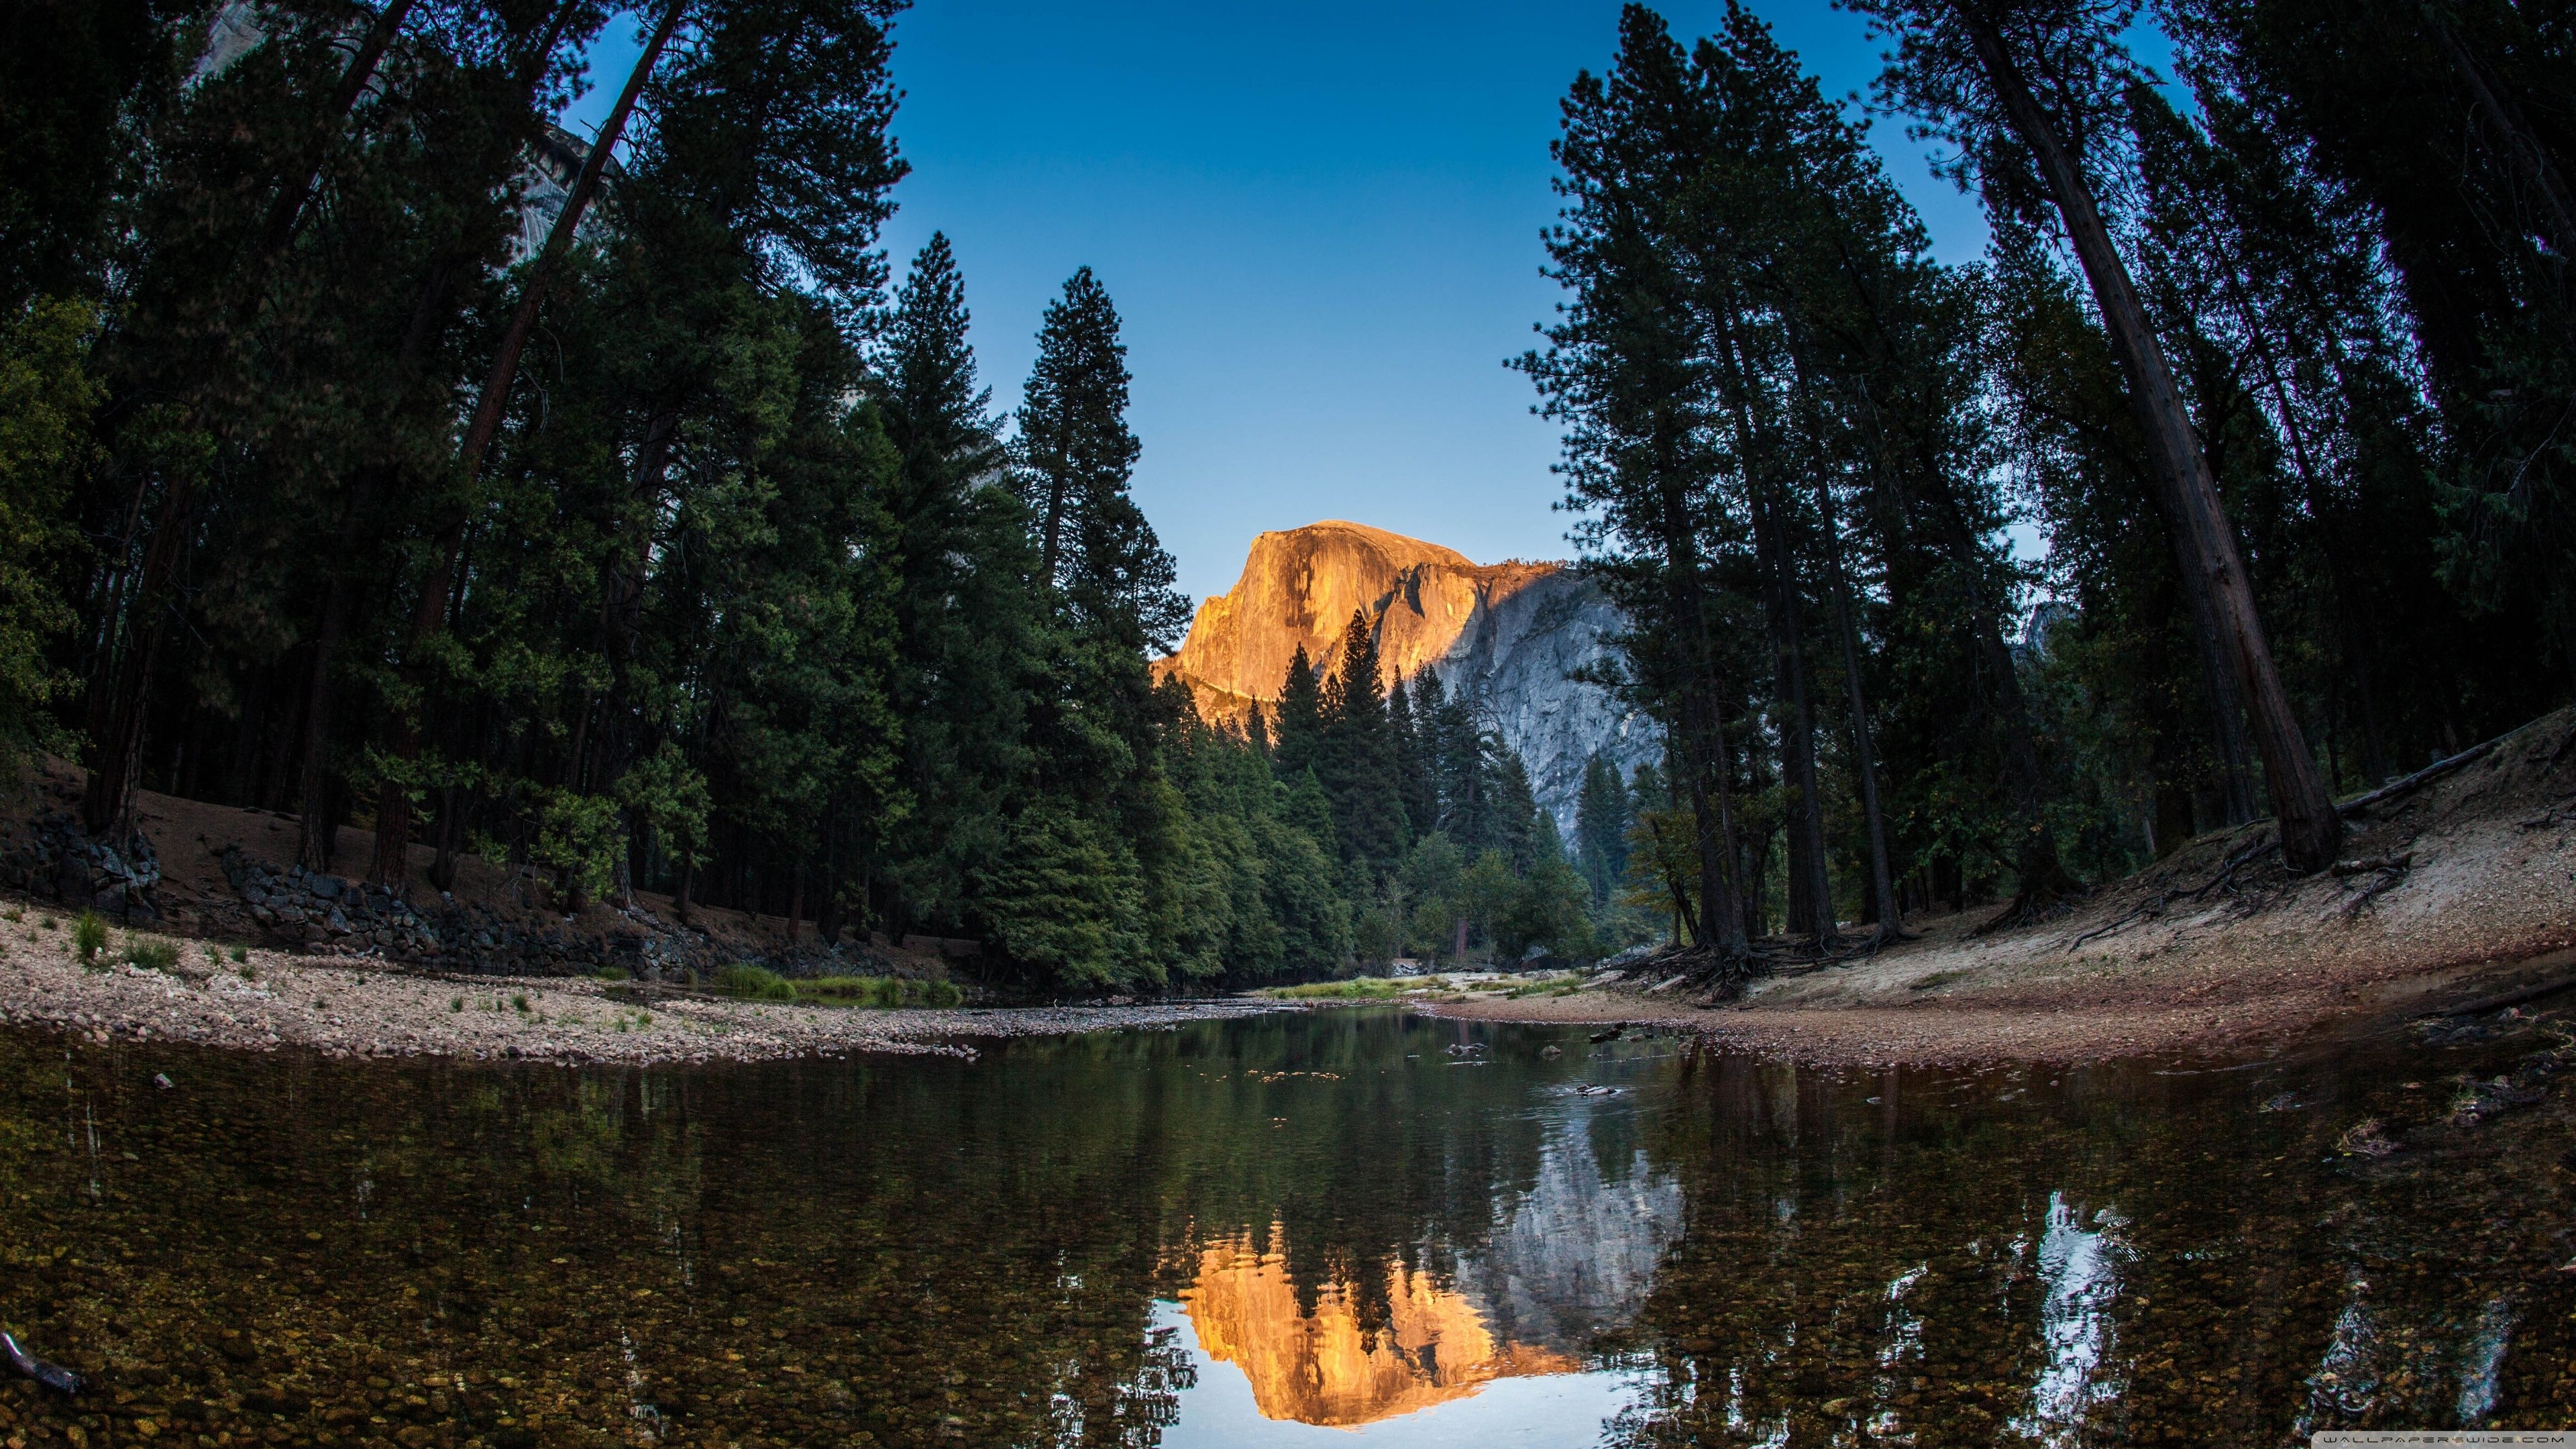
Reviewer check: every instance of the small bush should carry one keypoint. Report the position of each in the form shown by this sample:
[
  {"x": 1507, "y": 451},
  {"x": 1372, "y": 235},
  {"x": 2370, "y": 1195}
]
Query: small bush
[
  {"x": 753, "y": 983},
  {"x": 13, "y": 915},
  {"x": 151, "y": 953},
  {"x": 612, "y": 973},
  {"x": 456, "y": 1003},
  {"x": 240, "y": 955},
  {"x": 89, "y": 937},
  {"x": 519, "y": 1001}
]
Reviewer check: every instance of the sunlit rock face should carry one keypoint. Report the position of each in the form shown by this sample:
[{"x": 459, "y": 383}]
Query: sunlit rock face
[
  {"x": 1509, "y": 635},
  {"x": 1323, "y": 1367}
]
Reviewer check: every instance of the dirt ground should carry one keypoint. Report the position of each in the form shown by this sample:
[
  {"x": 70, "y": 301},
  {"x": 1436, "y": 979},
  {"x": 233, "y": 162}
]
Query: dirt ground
[
  {"x": 270, "y": 1000},
  {"x": 197, "y": 901},
  {"x": 2462, "y": 887}
]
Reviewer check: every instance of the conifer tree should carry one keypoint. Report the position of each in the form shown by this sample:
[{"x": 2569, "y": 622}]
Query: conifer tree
[
  {"x": 2025, "y": 87},
  {"x": 1601, "y": 820},
  {"x": 1297, "y": 726},
  {"x": 1356, "y": 752}
]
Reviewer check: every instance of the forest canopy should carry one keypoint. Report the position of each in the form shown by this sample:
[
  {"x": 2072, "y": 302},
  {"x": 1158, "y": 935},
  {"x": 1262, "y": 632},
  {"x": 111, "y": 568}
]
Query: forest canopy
[{"x": 376, "y": 452}]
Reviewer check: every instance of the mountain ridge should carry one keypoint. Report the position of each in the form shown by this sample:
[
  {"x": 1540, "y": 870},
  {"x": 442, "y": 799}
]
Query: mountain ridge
[{"x": 1508, "y": 635}]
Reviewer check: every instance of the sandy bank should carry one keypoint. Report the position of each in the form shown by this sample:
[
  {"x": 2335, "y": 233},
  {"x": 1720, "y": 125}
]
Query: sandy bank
[
  {"x": 2462, "y": 886},
  {"x": 273, "y": 1000}
]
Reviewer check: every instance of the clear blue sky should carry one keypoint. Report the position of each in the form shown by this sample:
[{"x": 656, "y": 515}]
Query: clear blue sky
[{"x": 1320, "y": 224}]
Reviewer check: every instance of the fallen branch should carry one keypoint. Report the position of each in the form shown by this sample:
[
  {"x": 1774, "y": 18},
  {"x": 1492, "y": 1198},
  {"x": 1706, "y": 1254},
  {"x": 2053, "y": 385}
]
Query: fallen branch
[
  {"x": 2511, "y": 998},
  {"x": 2437, "y": 770}
]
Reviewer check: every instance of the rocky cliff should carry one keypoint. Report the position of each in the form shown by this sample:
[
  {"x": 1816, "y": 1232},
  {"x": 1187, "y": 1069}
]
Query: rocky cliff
[{"x": 1507, "y": 635}]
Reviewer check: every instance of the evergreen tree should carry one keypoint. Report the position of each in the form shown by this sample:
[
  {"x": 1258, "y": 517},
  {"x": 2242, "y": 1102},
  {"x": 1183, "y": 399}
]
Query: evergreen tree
[
  {"x": 1601, "y": 818},
  {"x": 2026, "y": 90},
  {"x": 1296, "y": 731},
  {"x": 1356, "y": 752}
]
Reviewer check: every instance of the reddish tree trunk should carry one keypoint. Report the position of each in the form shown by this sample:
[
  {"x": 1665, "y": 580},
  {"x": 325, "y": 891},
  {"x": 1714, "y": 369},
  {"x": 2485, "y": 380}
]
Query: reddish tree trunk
[{"x": 2203, "y": 540}]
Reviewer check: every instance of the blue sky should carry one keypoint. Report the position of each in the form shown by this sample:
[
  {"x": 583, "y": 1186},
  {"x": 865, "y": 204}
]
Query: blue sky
[{"x": 1320, "y": 224}]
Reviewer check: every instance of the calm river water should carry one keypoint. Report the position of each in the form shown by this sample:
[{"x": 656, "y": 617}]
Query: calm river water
[{"x": 1301, "y": 1229}]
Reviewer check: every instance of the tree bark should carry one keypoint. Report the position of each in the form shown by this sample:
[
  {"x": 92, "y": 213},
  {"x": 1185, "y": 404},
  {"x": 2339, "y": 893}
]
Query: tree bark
[
  {"x": 1810, "y": 893},
  {"x": 1890, "y": 918},
  {"x": 1706, "y": 769},
  {"x": 2203, "y": 539},
  {"x": 2529, "y": 156},
  {"x": 393, "y": 805}
]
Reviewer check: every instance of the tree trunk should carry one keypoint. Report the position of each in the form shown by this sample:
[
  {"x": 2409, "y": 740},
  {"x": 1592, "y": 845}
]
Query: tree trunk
[
  {"x": 1888, "y": 916},
  {"x": 393, "y": 807},
  {"x": 2203, "y": 539},
  {"x": 1705, "y": 767},
  {"x": 2497, "y": 110},
  {"x": 117, "y": 717},
  {"x": 430, "y": 314},
  {"x": 2339, "y": 585},
  {"x": 1810, "y": 893}
]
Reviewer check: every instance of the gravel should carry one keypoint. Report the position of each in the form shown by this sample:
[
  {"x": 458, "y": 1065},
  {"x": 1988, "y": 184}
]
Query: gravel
[{"x": 273, "y": 1001}]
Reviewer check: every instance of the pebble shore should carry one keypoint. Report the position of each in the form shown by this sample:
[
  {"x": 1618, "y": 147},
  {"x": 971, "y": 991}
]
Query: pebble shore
[{"x": 274, "y": 1001}]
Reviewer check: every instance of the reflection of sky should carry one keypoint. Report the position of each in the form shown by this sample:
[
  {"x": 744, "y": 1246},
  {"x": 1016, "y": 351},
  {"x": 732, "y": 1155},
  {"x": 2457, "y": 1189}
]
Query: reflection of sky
[
  {"x": 1556, "y": 1410},
  {"x": 2083, "y": 1276}
]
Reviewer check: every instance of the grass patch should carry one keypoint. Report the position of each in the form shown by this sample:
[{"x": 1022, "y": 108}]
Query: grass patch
[
  {"x": 753, "y": 983},
  {"x": 1358, "y": 988},
  {"x": 881, "y": 991},
  {"x": 611, "y": 973},
  {"x": 89, "y": 937},
  {"x": 1557, "y": 985},
  {"x": 151, "y": 953}
]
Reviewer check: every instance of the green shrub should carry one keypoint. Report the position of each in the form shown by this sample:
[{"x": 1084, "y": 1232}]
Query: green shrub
[
  {"x": 89, "y": 937},
  {"x": 613, "y": 973},
  {"x": 880, "y": 991},
  {"x": 753, "y": 983},
  {"x": 151, "y": 953},
  {"x": 241, "y": 954}
]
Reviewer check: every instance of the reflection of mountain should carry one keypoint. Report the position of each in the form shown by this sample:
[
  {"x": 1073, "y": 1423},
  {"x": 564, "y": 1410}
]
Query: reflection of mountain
[
  {"x": 1577, "y": 1253},
  {"x": 1322, "y": 1367}
]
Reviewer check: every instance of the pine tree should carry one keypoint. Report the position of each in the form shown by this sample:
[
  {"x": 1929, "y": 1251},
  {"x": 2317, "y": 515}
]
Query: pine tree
[
  {"x": 1356, "y": 754},
  {"x": 2023, "y": 87},
  {"x": 1601, "y": 818},
  {"x": 1296, "y": 730}
]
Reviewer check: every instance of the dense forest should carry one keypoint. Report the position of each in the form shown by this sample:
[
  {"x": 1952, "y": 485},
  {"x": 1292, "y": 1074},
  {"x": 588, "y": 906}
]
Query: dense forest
[
  {"x": 376, "y": 452},
  {"x": 2271, "y": 357}
]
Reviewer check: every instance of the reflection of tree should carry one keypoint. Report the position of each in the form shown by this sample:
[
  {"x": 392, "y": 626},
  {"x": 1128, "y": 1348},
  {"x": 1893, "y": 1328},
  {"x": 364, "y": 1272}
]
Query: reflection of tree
[
  {"x": 2149, "y": 1260},
  {"x": 933, "y": 1252}
]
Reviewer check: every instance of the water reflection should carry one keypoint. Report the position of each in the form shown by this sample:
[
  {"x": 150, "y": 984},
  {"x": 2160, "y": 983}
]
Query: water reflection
[
  {"x": 1264, "y": 1232},
  {"x": 1317, "y": 1364}
]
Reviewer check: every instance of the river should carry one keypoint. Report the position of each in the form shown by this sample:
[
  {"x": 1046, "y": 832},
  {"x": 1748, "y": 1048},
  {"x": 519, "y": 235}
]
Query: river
[{"x": 1316, "y": 1228}]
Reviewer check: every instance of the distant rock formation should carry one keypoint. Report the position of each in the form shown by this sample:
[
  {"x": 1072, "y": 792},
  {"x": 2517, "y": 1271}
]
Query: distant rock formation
[{"x": 1507, "y": 635}]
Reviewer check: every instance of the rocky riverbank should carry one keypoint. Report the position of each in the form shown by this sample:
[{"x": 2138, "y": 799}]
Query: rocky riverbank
[
  {"x": 2458, "y": 885},
  {"x": 270, "y": 1000}
]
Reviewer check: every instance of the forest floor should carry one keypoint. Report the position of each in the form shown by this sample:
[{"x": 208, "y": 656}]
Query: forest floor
[{"x": 2457, "y": 888}]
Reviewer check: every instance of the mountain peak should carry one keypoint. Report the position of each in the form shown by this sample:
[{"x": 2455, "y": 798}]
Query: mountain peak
[{"x": 1510, "y": 635}]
